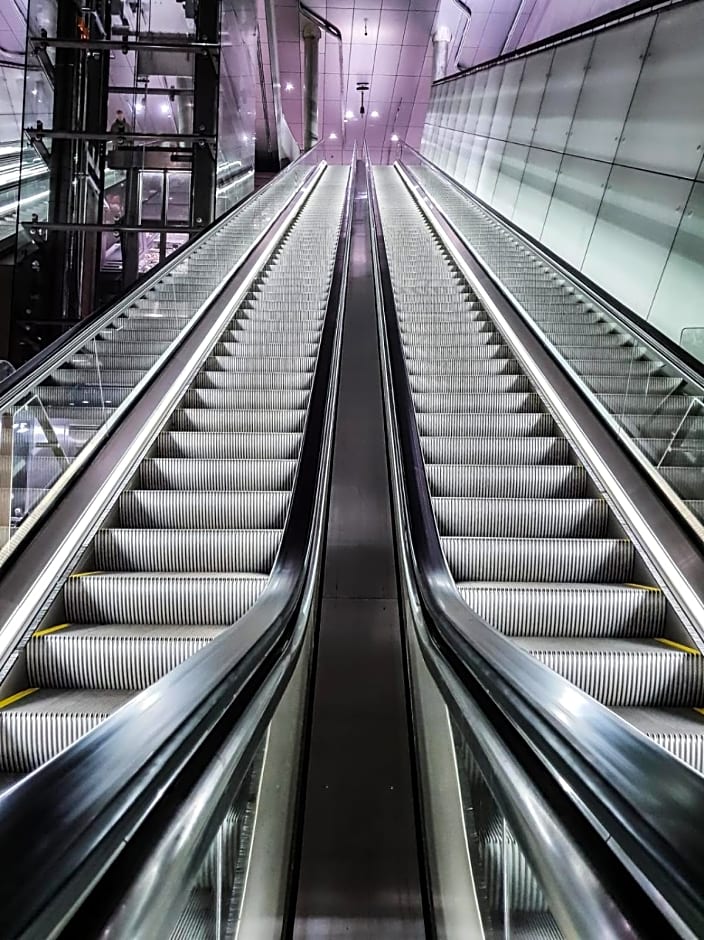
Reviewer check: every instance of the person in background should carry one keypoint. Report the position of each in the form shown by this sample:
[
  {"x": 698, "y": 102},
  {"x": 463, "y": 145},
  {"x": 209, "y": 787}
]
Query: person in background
[{"x": 119, "y": 125}]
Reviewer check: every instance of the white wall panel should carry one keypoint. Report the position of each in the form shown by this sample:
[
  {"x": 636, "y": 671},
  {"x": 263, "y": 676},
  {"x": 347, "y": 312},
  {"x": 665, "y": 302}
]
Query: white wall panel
[
  {"x": 506, "y": 101},
  {"x": 508, "y": 181},
  {"x": 493, "y": 158},
  {"x": 608, "y": 88},
  {"x": 530, "y": 96},
  {"x": 679, "y": 301},
  {"x": 561, "y": 94},
  {"x": 536, "y": 190},
  {"x": 574, "y": 206},
  {"x": 634, "y": 232},
  {"x": 669, "y": 96}
]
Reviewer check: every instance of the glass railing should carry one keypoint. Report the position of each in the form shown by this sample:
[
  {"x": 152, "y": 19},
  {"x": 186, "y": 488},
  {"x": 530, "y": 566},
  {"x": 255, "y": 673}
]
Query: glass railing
[
  {"x": 50, "y": 415},
  {"x": 652, "y": 401},
  {"x": 510, "y": 898}
]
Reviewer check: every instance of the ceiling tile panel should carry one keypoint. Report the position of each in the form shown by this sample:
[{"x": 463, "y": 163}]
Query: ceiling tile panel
[{"x": 386, "y": 61}]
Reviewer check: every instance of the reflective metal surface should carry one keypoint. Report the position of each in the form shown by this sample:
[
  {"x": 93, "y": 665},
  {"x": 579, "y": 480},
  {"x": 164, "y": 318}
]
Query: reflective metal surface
[{"x": 359, "y": 872}]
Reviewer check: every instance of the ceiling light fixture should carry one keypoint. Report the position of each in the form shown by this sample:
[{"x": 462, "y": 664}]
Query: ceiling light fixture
[
  {"x": 165, "y": 108},
  {"x": 333, "y": 135},
  {"x": 349, "y": 114},
  {"x": 289, "y": 86},
  {"x": 394, "y": 137},
  {"x": 374, "y": 114}
]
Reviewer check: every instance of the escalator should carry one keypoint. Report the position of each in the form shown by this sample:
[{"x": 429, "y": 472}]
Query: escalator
[
  {"x": 534, "y": 547},
  {"x": 189, "y": 545}
]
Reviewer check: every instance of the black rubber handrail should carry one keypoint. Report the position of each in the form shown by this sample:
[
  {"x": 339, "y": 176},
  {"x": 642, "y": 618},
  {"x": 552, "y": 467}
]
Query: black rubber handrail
[
  {"x": 74, "y": 815},
  {"x": 612, "y": 18},
  {"x": 648, "y": 802},
  {"x": 37, "y": 362}
]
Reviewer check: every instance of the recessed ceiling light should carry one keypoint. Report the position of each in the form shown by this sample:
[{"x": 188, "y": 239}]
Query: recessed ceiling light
[
  {"x": 349, "y": 114},
  {"x": 164, "y": 108},
  {"x": 374, "y": 114},
  {"x": 333, "y": 135},
  {"x": 394, "y": 137},
  {"x": 289, "y": 86}
]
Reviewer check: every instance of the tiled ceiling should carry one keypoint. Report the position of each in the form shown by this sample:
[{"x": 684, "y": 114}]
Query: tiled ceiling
[{"x": 386, "y": 43}]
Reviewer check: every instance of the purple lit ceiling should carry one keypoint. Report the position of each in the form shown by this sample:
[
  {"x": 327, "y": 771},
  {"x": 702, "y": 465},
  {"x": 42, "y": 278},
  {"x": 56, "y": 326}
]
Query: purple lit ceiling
[{"x": 386, "y": 43}]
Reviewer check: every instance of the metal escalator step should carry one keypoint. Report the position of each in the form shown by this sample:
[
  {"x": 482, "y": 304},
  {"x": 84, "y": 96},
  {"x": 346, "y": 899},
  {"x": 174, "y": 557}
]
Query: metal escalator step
[
  {"x": 683, "y": 453},
  {"x": 76, "y": 416},
  {"x": 77, "y": 396},
  {"x": 425, "y": 332},
  {"x": 540, "y": 481},
  {"x": 208, "y": 474},
  {"x": 247, "y": 362},
  {"x": 624, "y": 672},
  {"x": 475, "y": 367},
  {"x": 499, "y": 403},
  {"x": 254, "y": 380},
  {"x": 186, "y": 550},
  {"x": 131, "y": 333},
  {"x": 499, "y": 450},
  {"x": 113, "y": 361},
  {"x": 201, "y": 509},
  {"x": 126, "y": 348},
  {"x": 157, "y": 598},
  {"x": 259, "y": 421},
  {"x": 520, "y": 559},
  {"x": 126, "y": 378},
  {"x": 39, "y": 726},
  {"x": 596, "y": 338},
  {"x": 525, "y": 518},
  {"x": 97, "y": 656},
  {"x": 639, "y": 367},
  {"x": 624, "y": 354},
  {"x": 483, "y": 425},
  {"x": 447, "y": 347},
  {"x": 253, "y": 346},
  {"x": 502, "y": 862},
  {"x": 659, "y": 385},
  {"x": 687, "y": 481},
  {"x": 637, "y": 404},
  {"x": 229, "y": 445},
  {"x": 468, "y": 384},
  {"x": 678, "y": 730},
  {"x": 568, "y": 609},
  {"x": 674, "y": 427},
  {"x": 241, "y": 399},
  {"x": 262, "y": 327}
]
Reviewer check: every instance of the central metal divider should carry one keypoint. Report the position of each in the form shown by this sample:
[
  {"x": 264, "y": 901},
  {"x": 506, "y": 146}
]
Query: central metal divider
[{"x": 359, "y": 873}]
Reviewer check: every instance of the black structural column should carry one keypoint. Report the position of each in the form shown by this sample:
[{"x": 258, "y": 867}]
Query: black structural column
[
  {"x": 206, "y": 79},
  {"x": 359, "y": 874}
]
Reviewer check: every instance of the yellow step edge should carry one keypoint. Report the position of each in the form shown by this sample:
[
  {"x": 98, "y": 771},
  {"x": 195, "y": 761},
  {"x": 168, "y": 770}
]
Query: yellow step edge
[
  {"x": 643, "y": 587},
  {"x": 84, "y": 574},
  {"x": 700, "y": 710},
  {"x": 10, "y": 700},
  {"x": 678, "y": 646},
  {"x": 61, "y": 626}
]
